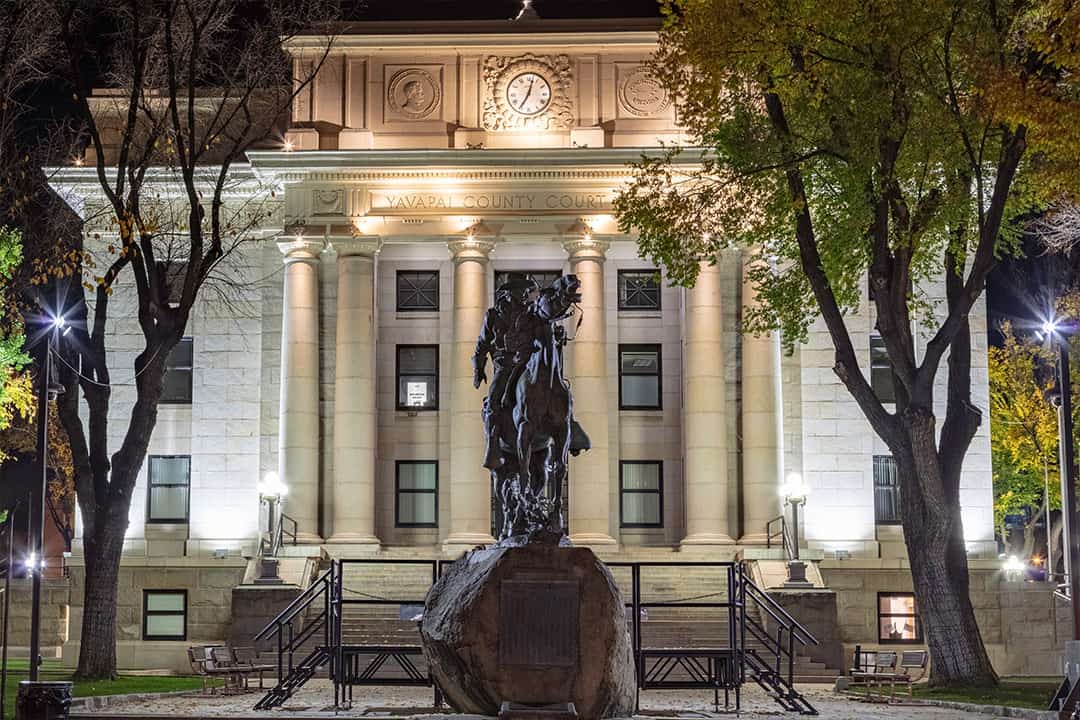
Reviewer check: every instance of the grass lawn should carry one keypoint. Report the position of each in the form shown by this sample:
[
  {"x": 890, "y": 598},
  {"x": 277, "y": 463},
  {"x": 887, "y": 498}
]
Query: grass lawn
[
  {"x": 1034, "y": 693},
  {"x": 17, "y": 670}
]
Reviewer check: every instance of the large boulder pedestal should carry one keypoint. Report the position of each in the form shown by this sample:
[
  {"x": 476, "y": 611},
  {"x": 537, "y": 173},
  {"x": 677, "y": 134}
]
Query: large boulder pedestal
[{"x": 536, "y": 625}]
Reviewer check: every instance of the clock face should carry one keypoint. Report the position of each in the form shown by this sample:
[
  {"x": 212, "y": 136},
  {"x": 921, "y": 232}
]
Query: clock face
[{"x": 528, "y": 93}]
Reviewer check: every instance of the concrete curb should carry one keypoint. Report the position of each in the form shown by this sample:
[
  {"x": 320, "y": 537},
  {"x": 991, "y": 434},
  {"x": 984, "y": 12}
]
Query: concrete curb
[
  {"x": 97, "y": 702},
  {"x": 996, "y": 710}
]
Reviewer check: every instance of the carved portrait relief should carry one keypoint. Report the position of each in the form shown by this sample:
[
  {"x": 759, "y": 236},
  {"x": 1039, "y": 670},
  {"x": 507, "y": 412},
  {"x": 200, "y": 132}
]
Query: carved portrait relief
[
  {"x": 413, "y": 94},
  {"x": 528, "y": 92},
  {"x": 641, "y": 94}
]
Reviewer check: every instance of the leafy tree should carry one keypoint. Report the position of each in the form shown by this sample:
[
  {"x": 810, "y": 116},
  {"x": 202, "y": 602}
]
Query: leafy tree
[
  {"x": 849, "y": 139},
  {"x": 193, "y": 86},
  {"x": 1023, "y": 433},
  {"x": 16, "y": 391}
]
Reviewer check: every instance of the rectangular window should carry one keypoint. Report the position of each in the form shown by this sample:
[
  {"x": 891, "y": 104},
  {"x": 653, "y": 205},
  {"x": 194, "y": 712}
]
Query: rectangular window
[
  {"x": 418, "y": 377},
  {"x": 168, "y": 488},
  {"x": 543, "y": 278},
  {"x": 886, "y": 491},
  {"x": 641, "y": 494},
  {"x": 639, "y": 377},
  {"x": 178, "y": 374},
  {"x": 416, "y": 489},
  {"x": 417, "y": 290},
  {"x": 164, "y": 614},
  {"x": 639, "y": 290},
  {"x": 898, "y": 619},
  {"x": 881, "y": 377}
]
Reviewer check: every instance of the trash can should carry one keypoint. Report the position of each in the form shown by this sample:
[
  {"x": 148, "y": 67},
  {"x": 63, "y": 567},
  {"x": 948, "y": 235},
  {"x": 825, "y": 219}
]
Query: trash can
[{"x": 39, "y": 700}]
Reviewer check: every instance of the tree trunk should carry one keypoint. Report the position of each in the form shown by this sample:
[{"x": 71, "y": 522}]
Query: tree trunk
[
  {"x": 97, "y": 649},
  {"x": 933, "y": 532}
]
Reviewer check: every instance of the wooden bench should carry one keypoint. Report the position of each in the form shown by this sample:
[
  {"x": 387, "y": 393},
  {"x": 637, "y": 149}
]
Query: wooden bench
[
  {"x": 881, "y": 667},
  {"x": 883, "y": 670},
  {"x": 204, "y": 666}
]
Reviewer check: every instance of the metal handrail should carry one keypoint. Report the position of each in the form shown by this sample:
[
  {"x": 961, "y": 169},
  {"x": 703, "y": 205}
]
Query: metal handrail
[
  {"x": 778, "y": 613},
  {"x": 770, "y": 534},
  {"x": 302, "y": 601}
]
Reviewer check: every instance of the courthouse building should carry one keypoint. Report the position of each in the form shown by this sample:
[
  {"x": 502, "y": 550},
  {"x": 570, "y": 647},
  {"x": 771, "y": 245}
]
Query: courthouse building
[{"x": 426, "y": 164}]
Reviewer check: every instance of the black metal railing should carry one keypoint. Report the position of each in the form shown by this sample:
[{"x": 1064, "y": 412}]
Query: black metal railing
[
  {"x": 785, "y": 541},
  {"x": 768, "y": 659},
  {"x": 271, "y": 542}
]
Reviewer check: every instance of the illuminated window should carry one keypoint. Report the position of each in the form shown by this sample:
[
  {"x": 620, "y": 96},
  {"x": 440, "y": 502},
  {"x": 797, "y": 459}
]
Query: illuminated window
[
  {"x": 639, "y": 290},
  {"x": 164, "y": 614},
  {"x": 178, "y": 374},
  {"x": 886, "y": 491},
  {"x": 417, "y": 290},
  {"x": 417, "y": 493},
  {"x": 169, "y": 480},
  {"x": 898, "y": 620},
  {"x": 418, "y": 377},
  {"x": 881, "y": 377},
  {"x": 641, "y": 493},
  {"x": 639, "y": 377}
]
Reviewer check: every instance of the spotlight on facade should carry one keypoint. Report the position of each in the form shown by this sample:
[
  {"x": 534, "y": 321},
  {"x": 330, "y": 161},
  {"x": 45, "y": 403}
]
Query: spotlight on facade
[
  {"x": 287, "y": 146},
  {"x": 271, "y": 487},
  {"x": 794, "y": 489},
  {"x": 1050, "y": 326},
  {"x": 1014, "y": 568}
]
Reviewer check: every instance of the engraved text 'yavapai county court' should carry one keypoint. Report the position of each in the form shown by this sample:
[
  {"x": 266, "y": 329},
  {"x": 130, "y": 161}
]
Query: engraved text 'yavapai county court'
[{"x": 383, "y": 202}]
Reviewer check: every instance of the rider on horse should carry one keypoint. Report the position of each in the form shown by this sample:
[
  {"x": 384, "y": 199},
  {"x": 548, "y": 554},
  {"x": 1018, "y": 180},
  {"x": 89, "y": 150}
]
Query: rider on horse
[{"x": 504, "y": 336}]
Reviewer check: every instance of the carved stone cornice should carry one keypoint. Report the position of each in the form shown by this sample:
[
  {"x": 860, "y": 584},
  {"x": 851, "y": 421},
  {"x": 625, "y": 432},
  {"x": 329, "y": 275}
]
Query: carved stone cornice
[
  {"x": 367, "y": 246},
  {"x": 298, "y": 248}
]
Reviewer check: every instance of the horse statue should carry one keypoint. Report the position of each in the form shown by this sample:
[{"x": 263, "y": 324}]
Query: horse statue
[{"x": 528, "y": 413}]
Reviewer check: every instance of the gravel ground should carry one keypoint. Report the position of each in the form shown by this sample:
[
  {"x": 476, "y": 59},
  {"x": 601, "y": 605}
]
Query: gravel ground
[{"x": 398, "y": 702}]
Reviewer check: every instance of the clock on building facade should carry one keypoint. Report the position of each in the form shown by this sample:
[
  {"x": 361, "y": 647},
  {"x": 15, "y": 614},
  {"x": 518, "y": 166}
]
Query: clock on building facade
[{"x": 528, "y": 92}]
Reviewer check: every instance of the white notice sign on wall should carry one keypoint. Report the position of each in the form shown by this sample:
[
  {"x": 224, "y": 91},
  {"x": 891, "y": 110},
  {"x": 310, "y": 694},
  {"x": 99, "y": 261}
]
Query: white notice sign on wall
[{"x": 416, "y": 394}]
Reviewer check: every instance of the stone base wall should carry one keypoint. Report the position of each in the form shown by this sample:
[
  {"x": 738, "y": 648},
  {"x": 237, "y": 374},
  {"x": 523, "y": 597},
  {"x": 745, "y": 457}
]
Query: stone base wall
[
  {"x": 209, "y": 587},
  {"x": 1023, "y": 625},
  {"x": 54, "y": 615}
]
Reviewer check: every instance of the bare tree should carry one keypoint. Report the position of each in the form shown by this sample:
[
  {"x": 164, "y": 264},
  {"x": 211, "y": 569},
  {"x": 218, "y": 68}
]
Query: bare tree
[{"x": 191, "y": 86}]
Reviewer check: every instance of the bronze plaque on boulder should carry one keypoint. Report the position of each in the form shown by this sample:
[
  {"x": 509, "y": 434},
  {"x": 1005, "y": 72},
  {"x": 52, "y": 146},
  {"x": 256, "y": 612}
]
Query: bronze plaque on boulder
[{"x": 539, "y": 623}]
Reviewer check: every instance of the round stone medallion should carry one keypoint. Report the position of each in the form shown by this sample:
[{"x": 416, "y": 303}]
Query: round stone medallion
[
  {"x": 413, "y": 94},
  {"x": 643, "y": 95}
]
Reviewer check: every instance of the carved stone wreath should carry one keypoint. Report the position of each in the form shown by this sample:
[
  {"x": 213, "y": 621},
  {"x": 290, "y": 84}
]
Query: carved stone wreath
[
  {"x": 498, "y": 74},
  {"x": 642, "y": 95}
]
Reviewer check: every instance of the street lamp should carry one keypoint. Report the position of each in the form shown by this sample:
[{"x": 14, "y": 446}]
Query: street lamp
[
  {"x": 794, "y": 492},
  {"x": 271, "y": 491}
]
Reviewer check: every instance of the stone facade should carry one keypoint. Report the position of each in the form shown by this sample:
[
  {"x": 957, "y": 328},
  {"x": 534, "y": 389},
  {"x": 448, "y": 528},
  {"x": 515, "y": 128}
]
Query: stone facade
[{"x": 404, "y": 156}]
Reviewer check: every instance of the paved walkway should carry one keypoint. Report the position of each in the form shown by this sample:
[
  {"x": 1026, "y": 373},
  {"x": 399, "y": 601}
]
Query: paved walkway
[{"x": 398, "y": 702}]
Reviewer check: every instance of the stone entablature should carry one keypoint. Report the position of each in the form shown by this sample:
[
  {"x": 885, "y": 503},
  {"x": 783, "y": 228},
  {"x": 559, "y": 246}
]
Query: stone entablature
[{"x": 461, "y": 89}]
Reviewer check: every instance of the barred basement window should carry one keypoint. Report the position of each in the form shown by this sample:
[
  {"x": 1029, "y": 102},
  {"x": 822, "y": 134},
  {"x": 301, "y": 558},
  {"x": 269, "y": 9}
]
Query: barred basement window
[
  {"x": 418, "y": 377},
  {"x": 164, "y": 614},
  {"x": 639, "y": 290},
  {"x": 898, "y": 619},
  {"x": 416, "y": 492},
  {"x": 881, "y": 377},
  {"x": 886, "y": 491},
  {"x": 639, "y": 377},
  {"x": 178, "y": 374},
  {"x": 168, "y": 491},
  {"x": 641, "y": 494},
  {"x": 417, "y": 290}
]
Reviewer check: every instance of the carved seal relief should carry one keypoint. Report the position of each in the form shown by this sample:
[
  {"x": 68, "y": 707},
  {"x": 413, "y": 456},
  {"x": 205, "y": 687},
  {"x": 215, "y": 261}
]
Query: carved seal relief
[
  {"x": 641, "y": 94},
  {"x": 555, "y": 71},
  {"x": 413, "y": 94}
]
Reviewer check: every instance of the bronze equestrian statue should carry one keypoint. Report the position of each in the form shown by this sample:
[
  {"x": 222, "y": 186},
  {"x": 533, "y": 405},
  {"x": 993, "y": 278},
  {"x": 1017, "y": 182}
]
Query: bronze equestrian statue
[{"x": 528, "y": 412}]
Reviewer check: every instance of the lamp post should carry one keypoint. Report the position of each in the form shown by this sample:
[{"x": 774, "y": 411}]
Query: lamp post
[
  {"x": 794, "y": 492},
  {"x": 271, "y": 491}
]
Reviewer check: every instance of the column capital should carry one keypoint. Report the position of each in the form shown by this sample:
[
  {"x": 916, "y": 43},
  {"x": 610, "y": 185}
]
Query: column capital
[
  {"x": 356, "y": 245},
  {"x": 584, "y": 247},
  {"x": 298, "y": 248},
  {"x": 470, "y": 248}
]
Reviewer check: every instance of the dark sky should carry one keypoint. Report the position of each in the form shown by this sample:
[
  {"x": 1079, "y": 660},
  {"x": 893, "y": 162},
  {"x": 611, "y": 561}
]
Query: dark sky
[{"x": 500, "y": 9}]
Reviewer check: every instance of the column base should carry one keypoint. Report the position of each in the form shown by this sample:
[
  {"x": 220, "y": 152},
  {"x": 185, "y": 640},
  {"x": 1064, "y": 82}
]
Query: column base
[
  {"x": 708, "y": 539},
  {"x": 758, "y": 538},
  {"x": 597, "y": 540},
  {"x": 359, "y": 542},
  {"x": 306, "y": 538},
  {"x": 458, "y": 543}
]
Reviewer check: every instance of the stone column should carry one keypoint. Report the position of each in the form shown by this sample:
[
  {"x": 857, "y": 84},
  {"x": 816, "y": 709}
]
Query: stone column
[
  {"x": 298, "y": 417},
  {"x": 354, "y": 393},
  {"x": 762, "y": 425},
  {"x": 590, "y": 472},
  {"x": 705, "y": 413},
  {"x": 470, "y": 483}
]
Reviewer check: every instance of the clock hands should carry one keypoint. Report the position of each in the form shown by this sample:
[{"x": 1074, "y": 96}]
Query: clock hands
[{"x": 528, "y": 92}]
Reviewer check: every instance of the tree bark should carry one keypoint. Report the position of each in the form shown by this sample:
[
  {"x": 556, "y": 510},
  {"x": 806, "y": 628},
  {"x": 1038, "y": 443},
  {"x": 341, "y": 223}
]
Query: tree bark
[{"x": 97, "y": 649}]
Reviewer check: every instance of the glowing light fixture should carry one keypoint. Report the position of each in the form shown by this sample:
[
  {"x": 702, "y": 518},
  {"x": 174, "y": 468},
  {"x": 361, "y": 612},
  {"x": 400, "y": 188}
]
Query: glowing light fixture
[{"x": 271, "y": 486}]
